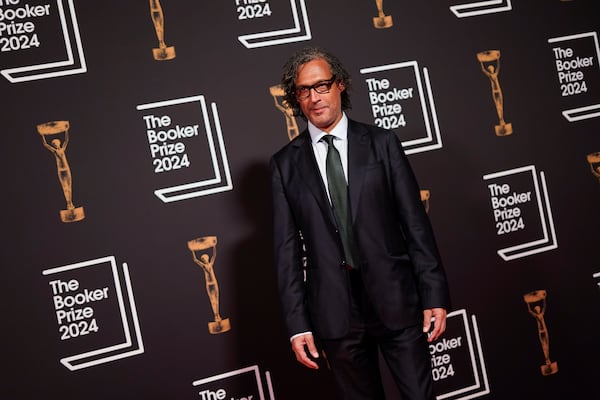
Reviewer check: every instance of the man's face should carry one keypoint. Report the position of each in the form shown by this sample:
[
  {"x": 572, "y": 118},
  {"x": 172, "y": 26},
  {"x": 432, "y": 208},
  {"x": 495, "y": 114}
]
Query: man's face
[{"x": 323, "y": 110}]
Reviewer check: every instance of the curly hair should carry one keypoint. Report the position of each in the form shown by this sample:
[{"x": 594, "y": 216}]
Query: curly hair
[{"x": 301, "y": 57}]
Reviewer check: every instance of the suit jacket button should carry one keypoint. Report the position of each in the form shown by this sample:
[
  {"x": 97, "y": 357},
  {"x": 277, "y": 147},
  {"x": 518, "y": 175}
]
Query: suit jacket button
[{"x": 343, "y": 264}]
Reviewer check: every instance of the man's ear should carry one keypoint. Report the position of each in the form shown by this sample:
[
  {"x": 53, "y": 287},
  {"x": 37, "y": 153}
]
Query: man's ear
[{"x": 341, "y": 86}]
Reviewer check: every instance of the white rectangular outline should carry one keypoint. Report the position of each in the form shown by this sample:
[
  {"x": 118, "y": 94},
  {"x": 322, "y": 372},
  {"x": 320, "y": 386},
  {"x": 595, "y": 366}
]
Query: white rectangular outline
[
  {"x": 571, "y": 114},
  {"x": 69, "y": 61},
  {"x": 457, "y": 9},
  {"x": 245, "y": 39},
  {"x": 234, "y": 373},
  {"x": 477, "y": 384},
  {"x": 429, "y": 137},
  {"x": 164, "y": 192},
  {"x": 505, "y": 253},
  {"x": 68, "y": 361},
  {"x": 270, "y": 385}
]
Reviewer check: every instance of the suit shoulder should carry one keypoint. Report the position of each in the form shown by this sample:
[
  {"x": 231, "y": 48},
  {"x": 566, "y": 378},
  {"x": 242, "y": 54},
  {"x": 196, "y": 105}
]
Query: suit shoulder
[
  {"x": 376, "y": 132},
  {"x": 288, "y": 147}
]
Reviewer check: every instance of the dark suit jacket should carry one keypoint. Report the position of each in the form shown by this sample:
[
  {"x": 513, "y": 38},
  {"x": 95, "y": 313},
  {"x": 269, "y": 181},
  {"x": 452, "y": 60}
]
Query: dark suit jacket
[{"x": 399, "y": 260}]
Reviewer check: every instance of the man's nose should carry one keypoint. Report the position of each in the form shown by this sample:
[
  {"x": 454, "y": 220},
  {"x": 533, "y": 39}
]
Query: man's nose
[{"x": 314, "y": 96}]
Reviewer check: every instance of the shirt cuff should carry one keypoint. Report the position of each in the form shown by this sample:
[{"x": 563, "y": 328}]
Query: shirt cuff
[{"x": 300, "y": 334}]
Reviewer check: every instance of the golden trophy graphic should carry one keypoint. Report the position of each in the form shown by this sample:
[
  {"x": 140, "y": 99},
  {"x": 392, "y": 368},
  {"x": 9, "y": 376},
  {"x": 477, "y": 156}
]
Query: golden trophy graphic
[
  {"x": 290, "y": 122},
  {"x": 204, "y": 246},
  {"x": 425, "y": 195},
  {"x": 594, "y": 160},
  {"x": 55, "y": 136},
  {"x": 536, "y": 305},
  {"x": 382, "y": 21},
  {"x": 162, "y": 52},
  {"x": 490, "y": 65}
]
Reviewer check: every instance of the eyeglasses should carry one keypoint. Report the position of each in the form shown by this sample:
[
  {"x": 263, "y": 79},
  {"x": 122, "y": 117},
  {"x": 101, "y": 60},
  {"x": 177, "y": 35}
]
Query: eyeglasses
[{"x": 323, "y": 87}]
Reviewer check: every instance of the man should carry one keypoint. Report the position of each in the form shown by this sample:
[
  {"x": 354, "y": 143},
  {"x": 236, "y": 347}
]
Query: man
[{"x": 373, "y": 283}]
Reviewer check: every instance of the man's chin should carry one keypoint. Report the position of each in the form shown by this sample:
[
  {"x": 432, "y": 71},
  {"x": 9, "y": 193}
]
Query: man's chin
[{"x": 318, "y": 118}]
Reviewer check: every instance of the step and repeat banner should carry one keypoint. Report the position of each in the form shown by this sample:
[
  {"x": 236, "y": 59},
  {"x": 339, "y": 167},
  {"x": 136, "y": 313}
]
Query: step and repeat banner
[{"x": 136, "y": 255}]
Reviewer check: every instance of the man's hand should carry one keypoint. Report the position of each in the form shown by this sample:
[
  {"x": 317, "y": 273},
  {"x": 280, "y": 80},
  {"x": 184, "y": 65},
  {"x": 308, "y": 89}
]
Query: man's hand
[
  {"x": 439, "y": 324},
  {"x": 300, "y": 344}
]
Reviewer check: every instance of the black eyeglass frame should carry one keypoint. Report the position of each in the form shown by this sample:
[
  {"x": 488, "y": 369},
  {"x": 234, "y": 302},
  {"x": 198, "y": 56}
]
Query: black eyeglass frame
[{"x": 321, "y": 87}]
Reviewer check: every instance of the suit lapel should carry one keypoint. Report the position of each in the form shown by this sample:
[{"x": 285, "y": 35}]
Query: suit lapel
[
  {"x": 307, "y": 166},
  {"x": 358, "y": 157},
  {"x": 359, "y": 144}
]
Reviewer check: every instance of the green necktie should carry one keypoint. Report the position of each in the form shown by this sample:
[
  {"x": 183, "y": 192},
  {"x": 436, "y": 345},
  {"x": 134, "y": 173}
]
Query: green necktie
[{"x": 338, "y": 191}]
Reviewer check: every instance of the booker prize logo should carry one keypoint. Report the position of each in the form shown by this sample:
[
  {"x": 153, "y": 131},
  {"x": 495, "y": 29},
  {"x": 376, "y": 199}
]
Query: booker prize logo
[
  {"x": 95, "y": 313},
  {"x": 241, "y": 384},
  {"x": 186, "y": 148},
  {"x": 55, "y": 137},
  {"x": 521, "y": 212},
  {"x": 401, "y": 99},
  {"x": 457, "y": 362},
  {"x": 162, "y": 52},
  {"x": 272, "y": 22},
  {"x": 204, "y": 253},
  {"x": 576, "y": 59},
  {"x": 39, "y": 40},
  {"x": 536, "y": 305},
  {"x": 490, "y": 65}
]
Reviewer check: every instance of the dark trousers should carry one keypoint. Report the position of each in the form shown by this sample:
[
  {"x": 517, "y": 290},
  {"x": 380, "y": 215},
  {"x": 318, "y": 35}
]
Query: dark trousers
[{"x": 354, "y": 359}]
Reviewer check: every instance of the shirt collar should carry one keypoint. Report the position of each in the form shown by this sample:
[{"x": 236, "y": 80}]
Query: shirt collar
[{"x": 340, "y": 130}]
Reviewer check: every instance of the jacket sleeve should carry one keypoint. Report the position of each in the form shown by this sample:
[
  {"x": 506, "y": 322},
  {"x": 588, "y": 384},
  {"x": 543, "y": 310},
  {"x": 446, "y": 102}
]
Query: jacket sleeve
[
  {"x": 287, "y": 256},
  {"x": 417, "y": 229}
]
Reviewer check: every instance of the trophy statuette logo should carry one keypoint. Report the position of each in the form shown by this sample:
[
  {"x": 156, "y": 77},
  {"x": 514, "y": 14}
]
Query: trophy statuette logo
[
  {"x": 536, "y": 305},
  {"x": 290, "y": 121},
  {"x": 593, "y": 160},
  {"x": 162, "y": 52},
  {"x": 55, "y": 137},
  {"x": 425, "y": 196},
  {"x": 204, "y": 252},
  {"x": 382, "y": 21},
  {"x": 490, "y": 65}
]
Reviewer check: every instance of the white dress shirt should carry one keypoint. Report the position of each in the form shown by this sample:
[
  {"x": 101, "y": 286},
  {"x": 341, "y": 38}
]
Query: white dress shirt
[{"x": 340, "y": 132}]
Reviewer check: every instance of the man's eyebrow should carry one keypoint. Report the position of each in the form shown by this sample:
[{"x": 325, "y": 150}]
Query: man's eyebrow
[{"x": 316, "y": 83}]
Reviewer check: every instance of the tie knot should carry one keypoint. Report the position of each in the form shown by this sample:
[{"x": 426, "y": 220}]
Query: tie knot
[{"x": 328, "y": 138}]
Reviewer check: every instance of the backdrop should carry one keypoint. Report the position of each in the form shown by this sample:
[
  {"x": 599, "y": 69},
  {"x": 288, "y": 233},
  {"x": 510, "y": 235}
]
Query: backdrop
[{"x": 136, "y": 253}]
